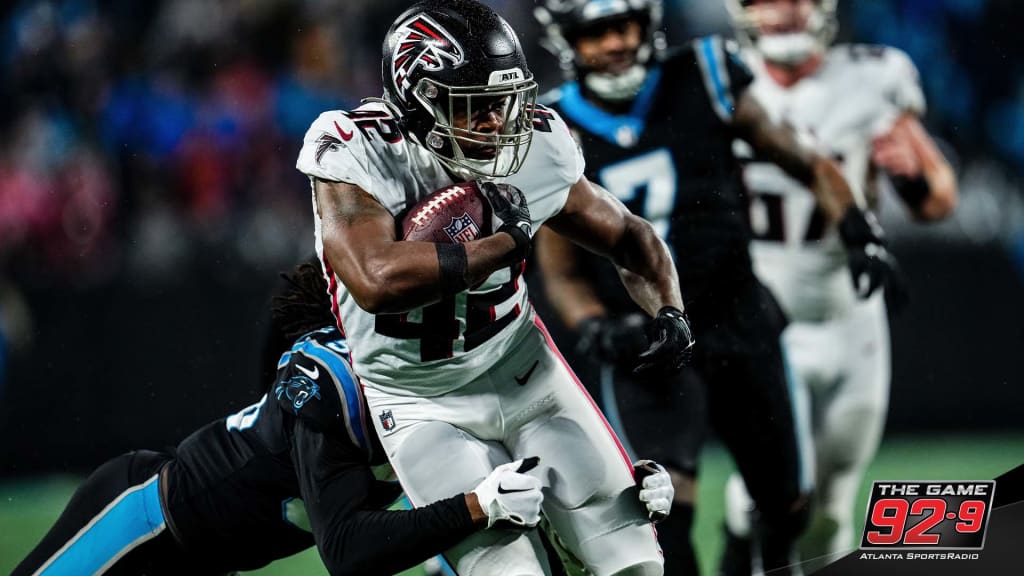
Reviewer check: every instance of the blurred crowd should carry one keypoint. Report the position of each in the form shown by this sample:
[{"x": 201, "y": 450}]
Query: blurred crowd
[
  {"x": 136, "y": 135},
  {"x": 140, "y": 132}
]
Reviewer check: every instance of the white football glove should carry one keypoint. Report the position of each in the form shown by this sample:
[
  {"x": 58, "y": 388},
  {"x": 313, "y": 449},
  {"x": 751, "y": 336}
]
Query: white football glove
[
  {"x": 509, "y": 495},
  {"x": 656, "y": 491}
]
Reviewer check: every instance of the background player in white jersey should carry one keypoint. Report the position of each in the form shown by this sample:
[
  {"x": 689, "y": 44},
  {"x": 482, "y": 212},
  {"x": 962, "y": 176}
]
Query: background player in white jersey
[
  {"x": 863, "y": 103},
  {"x": 637, "y": 109},
  {"x": 457, "y": 369}
]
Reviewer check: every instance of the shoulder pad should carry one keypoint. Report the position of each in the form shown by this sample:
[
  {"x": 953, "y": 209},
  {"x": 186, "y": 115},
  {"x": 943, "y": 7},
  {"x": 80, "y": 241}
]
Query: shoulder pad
[
  {"x": 335, "y": 150},
  {"x": 558, "y": 144},
  {"x": 719, "y": 61},
  {"x": 903, "y": 82},
  {"x": 887, "y": 69},
  {"x": 317, "y": 384},
  {"x": 553, "y": 164}
]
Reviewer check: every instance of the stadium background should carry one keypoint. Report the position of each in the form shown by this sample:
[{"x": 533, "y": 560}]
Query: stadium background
[{"x": 148, "y": 199}]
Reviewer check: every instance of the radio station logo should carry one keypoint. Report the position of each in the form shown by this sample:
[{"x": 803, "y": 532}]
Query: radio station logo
[{"x": 931, "y": 515}]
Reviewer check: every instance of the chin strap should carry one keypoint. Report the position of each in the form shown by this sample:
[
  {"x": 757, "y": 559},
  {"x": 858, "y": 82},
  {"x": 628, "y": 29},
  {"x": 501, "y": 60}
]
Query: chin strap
[
  {"x": 395, "y": 110},
  {"x": 617, "y": 87}
]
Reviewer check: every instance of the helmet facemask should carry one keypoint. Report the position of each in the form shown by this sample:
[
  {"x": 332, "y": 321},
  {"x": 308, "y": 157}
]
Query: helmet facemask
[
  {"x": 504, "y": 109},
  {"x": 621, "y": 85},
  {"x": 566, "y": 21},
  {"x": 786, "y": 48}
]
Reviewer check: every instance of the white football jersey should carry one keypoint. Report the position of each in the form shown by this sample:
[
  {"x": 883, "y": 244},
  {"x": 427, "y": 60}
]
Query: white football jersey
[
  {"x": 855, "y": 96},
  {"x": 438, "y": 348}
]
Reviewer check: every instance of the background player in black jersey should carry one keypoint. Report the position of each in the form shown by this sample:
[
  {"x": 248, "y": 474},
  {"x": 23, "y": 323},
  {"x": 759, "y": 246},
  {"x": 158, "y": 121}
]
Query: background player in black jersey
[
  {"x": 293, "y": 470},
  {"x": 656, "y": 129}
]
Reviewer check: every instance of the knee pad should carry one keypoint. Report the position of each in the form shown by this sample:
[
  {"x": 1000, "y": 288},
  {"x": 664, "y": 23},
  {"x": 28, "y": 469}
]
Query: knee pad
[
  {"x": 642, "y": 569},
  {"x": 499, "y": 553},
  {"x": 629, "y": 551}
]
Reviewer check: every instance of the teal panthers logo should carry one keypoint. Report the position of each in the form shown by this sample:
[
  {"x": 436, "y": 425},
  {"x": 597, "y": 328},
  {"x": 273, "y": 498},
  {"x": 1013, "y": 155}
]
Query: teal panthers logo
[{"x": 298, "y": 390}]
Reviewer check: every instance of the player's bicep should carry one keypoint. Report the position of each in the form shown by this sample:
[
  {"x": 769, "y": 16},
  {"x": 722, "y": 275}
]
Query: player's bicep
[
  {"x": 592, "y": 218},
  {"x": 351, "y": 213},
  {"x": 356, "y": 229},
  {"x": 775, "y": 141}
]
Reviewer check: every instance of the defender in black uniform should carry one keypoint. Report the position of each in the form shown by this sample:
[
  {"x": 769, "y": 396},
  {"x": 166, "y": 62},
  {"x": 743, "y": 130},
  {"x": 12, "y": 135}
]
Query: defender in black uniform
[
  {"x": 657, "y": 131},
  {"x": 293, "y": 470},
  {"x": 288, "y": 472}
]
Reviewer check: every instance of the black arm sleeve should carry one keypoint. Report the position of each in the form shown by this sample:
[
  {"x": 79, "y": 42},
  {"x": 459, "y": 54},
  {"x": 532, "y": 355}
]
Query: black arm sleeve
[
  {"x": 726, "y": 78},
  {"x": 914, "y": 191},
  {"x": 740, "y": 75},
  {"x": 336, "y": 487}
]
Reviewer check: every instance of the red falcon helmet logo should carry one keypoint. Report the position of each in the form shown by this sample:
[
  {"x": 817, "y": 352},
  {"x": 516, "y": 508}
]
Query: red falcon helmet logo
[{"x": 421, "y": 42}]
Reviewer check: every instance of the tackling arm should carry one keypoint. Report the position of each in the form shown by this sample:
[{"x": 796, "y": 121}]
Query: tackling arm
[
  {"x": 385, "y": 275},
  {"x": 352, "y": 539},
  {"x": 778, "y": 143},
  {"x": 341, "y": 498}
]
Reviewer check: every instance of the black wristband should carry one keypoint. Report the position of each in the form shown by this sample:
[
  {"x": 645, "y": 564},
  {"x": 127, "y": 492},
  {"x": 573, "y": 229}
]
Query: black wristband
[
  {"x": 914, "y": 191},
  {"x": 859, "y": 228},
  {"x": 454, "y": 268},
  {"x": 671, "y": 311}
]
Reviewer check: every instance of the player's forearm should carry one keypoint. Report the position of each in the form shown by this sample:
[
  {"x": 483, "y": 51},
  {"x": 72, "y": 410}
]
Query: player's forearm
[
  {"x": 772, "y": 141},
  {"x": 943, "y": 192},
  {"x": 943, "y": 196},
  {"x": 400, "y": 276},
  {"x": 821, "y": 175},
  {"x": 646, "y": 268},
  {"x": 920, "y": 172},
  {"x": 389, "y": 541},
  {"x": 779, "y": 144},
  {"x": 831, "y": 189}
]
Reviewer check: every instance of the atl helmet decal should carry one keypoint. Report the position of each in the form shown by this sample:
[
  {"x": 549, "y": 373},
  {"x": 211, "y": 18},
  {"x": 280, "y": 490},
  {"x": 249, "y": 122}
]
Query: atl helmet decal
[{"x": 423, "y": 43}]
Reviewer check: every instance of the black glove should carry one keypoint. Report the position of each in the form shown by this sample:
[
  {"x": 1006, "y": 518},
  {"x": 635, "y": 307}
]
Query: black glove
[
  {"x": 615, "y": 340},
  {"x": 671, "y": 344},
  {"x": 871, "y": 264},
  {"x": 508, "y": 204}
]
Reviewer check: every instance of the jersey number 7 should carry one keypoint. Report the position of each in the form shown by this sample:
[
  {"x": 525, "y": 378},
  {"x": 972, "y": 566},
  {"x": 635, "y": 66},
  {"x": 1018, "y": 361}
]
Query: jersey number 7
[{"x": 647, "y": 184}]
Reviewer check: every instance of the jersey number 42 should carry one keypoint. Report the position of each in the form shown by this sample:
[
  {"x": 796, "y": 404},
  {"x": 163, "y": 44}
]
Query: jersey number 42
[{"x": 439, "y": 327}]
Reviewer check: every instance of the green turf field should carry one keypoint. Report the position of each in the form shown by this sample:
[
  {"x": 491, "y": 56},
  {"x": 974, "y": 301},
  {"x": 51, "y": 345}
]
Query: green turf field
[{"x": 28, "y": 508}]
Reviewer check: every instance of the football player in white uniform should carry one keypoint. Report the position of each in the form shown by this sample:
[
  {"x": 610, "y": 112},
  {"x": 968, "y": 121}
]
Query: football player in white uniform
[
  {"x": 863, "y": 103},
  {"x": 458, "y": 371}
]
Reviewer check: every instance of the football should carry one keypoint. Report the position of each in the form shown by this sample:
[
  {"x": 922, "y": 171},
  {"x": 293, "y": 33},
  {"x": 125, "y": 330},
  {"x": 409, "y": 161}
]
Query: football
[{"x": 454, "y": 214}]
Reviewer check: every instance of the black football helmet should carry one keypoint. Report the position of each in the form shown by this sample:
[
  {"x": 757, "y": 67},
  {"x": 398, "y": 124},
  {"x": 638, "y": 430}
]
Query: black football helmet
[
  {"x": 447, "y": 62},
  {"x": 564, "y": 20}
]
